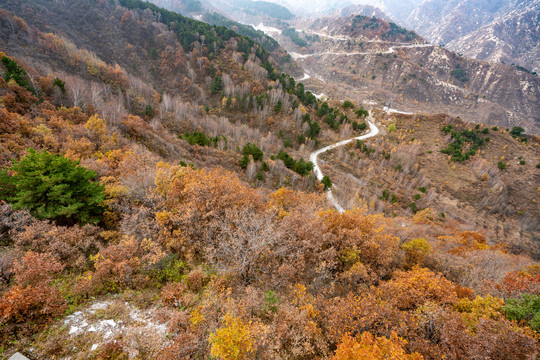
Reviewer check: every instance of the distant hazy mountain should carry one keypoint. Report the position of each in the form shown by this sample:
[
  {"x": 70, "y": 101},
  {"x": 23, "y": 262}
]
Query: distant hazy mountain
[
  {"x": 493, "y": 30},
  {"x": 244, "y": 10},
  {"x": 184, "y": 7},
  {"x": 309, "y": 7},
  {"x": 398, "y": 9}
]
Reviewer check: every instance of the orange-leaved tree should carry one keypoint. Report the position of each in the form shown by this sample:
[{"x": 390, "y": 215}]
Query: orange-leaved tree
[
  {"x": 368, "y": 347},
  {"x": 409, "y": 289},
  {"x": 360, "y": 237},
  {"x": 416, "y": 251},
  {"x": 193, "y": 198},
  {"x": 33, "y": 299},
  {"x": 355, "y": 314}
]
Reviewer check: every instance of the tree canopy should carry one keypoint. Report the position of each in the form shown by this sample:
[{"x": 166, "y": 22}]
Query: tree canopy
[{"x": 53, "y": 187}]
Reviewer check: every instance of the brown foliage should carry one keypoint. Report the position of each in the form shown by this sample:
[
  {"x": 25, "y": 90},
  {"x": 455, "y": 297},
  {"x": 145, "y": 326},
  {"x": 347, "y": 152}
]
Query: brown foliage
[
  {"x": 284, "y": 201},
  {"x": 297, "y": 333},
  {"x": 182, "y": 348},
  {"x": 465, "y": 242},
  {"x": 196, "y": 279},
  {"x": 355, "y": 314},
  {"x": 359, "y": 237},
  {"x": 32, "y": 299},
  {"x": 135, "y": 127},
  {"x": 518, "y": 282},
  {"x": 119, "y": 266},
  {"x": 357, "y": 301},
  {"x": 71, "y": 246},
  {"x": 36, "y": 269},
  {"x": 450, "y": 337},
  {"x": 367, "y": 347},
  {"x": 10, "y": 123},
  {"x": 113, "y": 350},
  {"x": 39, "y": 304},
  {"x": 21, "y": 23},
  {"x": 12, "y": 222},
  {"x": 172, "y": 293},
  {"x": 19, "y": 100},
  {"x": 127, "y": 17}
]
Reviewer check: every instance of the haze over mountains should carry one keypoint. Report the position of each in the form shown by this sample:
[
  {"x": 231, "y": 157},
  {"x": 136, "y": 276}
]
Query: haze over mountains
[
  {"x": 498, "y": 31},
  {"x": 501, "y": 30}
]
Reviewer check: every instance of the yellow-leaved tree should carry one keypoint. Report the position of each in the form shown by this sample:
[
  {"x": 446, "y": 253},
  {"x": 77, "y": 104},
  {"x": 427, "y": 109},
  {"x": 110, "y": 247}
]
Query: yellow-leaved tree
[
  {"x": 416, "y": 251},
  {"x": 234, "y": 340}
]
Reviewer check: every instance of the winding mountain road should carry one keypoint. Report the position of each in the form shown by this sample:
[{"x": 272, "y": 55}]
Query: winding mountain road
[
  {"x": 373, "y": 131},
  {"x": 390, "y": 50}
]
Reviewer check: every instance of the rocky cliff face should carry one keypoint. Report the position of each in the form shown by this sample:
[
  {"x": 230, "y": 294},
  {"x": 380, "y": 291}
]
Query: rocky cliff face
[
  {"x": 443, "y": 21},
  {"x": 512, "y": 38},
  {"x": 499, "y": 30}
]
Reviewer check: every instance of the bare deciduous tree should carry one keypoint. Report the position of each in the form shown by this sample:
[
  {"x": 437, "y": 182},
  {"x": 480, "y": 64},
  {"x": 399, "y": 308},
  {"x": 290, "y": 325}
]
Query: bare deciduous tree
[
  {"x": 251, "y": 170},
  {"x": 238, "y": 240},
  {"x": 77, "y": 89}
]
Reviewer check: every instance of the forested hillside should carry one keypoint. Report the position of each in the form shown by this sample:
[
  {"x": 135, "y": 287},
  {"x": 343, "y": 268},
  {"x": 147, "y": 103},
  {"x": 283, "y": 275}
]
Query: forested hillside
[
  {"x": 212, "y": 17},
  {"x": 157, "y": 202}
]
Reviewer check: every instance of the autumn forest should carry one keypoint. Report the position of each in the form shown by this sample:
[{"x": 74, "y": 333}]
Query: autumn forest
[{"x": 157, "y": 201}]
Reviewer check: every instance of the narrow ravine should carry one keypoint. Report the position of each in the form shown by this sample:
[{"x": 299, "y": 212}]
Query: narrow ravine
[{"x": 373, "y": 131}]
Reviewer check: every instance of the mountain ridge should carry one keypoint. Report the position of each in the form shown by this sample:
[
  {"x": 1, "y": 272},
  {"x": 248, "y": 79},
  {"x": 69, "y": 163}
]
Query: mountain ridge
[{"x": 467, "y": 26}]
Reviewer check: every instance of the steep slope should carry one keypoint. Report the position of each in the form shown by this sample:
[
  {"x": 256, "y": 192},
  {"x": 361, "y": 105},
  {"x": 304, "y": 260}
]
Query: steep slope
[
  {"x": 212, "y": 14},
  {"x": 512, "y": 38},
  {"x": 367, "y": 58},
  {"x": 244, "y": 9},
  {"x": 221, "y": 84},
  {"x": 443, "y": 21},
  {"x": 188, "y": 256},
  {"x": 477, "y": 175},
  {"x": 472, "y": 25},
  {"x": 184, "y": 7}
]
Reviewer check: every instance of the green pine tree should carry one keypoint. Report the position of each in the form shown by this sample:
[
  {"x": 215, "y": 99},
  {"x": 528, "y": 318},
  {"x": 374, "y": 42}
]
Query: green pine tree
[
  {"x": 244, "y": 161},
  {"x": 53, "y": 187},
  {"x": 253, "y": 150},
  {"x": 326, "y": 182},
  {"x": 217, "y": 85}
]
